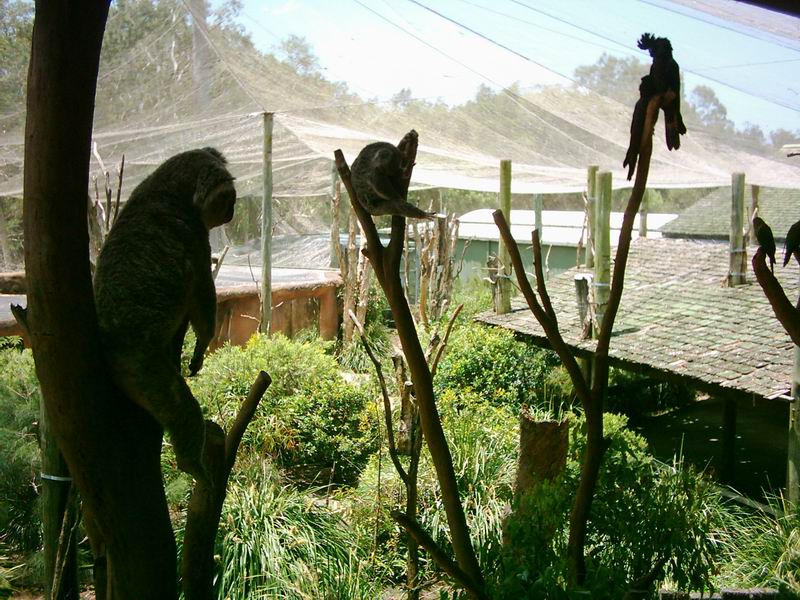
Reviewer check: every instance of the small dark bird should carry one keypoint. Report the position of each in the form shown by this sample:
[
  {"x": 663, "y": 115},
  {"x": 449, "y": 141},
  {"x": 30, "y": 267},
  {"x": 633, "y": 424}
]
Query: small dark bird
[
  {"x": 646, "y": 91},
  {"x": 791, "y": 246},
  {"x": 377, "y": 176},
  {"x": 666, "y": 76},
  {"x": 765, "y": 240}
]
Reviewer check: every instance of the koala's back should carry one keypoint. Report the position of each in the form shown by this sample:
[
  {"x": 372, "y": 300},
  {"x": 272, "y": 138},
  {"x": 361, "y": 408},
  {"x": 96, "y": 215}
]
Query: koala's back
[{"x": 146, "y": 269}]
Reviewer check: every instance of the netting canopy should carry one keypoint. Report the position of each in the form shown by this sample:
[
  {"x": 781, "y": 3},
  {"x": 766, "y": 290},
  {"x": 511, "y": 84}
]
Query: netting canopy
[{"x": 169, "y": 82}]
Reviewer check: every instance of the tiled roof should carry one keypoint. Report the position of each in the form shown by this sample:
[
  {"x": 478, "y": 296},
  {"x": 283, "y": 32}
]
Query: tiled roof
[
  {"x": 710, "y": 217},
  {"x": 678, "y": 317}
]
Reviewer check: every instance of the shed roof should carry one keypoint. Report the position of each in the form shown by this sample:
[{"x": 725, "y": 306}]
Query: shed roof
[
  {"x": 710, "y": 218},
  {"x": 677, "y": 318}
]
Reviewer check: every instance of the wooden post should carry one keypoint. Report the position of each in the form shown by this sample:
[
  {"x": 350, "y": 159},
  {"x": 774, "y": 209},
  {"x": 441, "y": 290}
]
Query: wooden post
[
  {"x": 58, "y": 511},
  {"x": 591, "y": 195},
  {"x": 538, "y": 205},
  {"x": 728, "y": 464},
  {"x": 335, "y": 213},
  {"x": 643, "y": 214},
  {"x": 793, "y": 457},
  {"x": 504, "y": 281},
  {"x": 602, "y": 248},
  {"x": 755, "y": 193},
  {"x": 266, "y": 229},
  {"x": 738, "y": 253}
]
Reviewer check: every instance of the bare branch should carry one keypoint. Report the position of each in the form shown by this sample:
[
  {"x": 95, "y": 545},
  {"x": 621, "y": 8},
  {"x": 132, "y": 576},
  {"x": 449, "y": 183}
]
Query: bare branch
[
  {"x": 438, "y": 555},
  {"x": 541, "y": 287},
  {"x": 785, "y": 311},
  {"x": 387, "y": 405},
  {"x": 550, "y": 328},
  {"x": 440, "y": 350}
]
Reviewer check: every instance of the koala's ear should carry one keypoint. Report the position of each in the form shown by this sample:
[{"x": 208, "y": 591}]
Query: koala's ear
[{"x": 209, "y": 180}]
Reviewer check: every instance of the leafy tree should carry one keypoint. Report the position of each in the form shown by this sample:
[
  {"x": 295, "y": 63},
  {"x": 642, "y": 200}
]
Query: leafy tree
[
  {"x": 16, "y": 28},
  {"x": 616, "y": 78},
  {"x": 300, "y": 54}
]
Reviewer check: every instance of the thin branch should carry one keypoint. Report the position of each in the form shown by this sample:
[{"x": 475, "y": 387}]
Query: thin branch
[
  {"x": 641, "y": 587},
  {"x": 541, "y": 287},
  {"x": 438, "y": 555},
  {"x": 785, "y": 312},
  {"x": 624, "y": 240},
  {"x": 246, "y": 412},
  {"x": 550, "y": 328},
  {"x": 440, "y": 350},
  {"x": 387, "y": 405}
]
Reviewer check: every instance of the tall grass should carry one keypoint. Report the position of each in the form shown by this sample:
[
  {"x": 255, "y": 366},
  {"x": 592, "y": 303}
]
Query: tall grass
[
  {"x": 278, "y": 542},
  {"x": 765, "y": 549}
]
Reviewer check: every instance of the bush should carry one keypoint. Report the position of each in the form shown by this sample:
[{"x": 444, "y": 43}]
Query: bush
[
  {"x": 642, "y": 511},
  {"x": 311, "y": 421},
  {"x": 493, "y": 364},
  {"x": 20, "y": 522}
]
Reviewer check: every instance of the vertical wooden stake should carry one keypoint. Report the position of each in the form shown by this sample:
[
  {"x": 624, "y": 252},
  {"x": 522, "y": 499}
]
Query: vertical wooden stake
[
  {"x": 504, "y": 282},
  {"x": 728, "y": 464},
  {"x": 591, "y": 196},
  {"x": 643, "y": 214},
  {"x": 602, "y": 248},
  {"x": 336, "y": 248},
  {"x": 793, "y": 457},
  {"x": 738, "y": 253},
  {"x": 266, "y": 229},
  {"x": 755, "y": 193}
]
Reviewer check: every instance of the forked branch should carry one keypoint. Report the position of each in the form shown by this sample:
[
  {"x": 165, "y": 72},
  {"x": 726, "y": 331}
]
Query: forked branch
[{"x": 785, "y": 311}]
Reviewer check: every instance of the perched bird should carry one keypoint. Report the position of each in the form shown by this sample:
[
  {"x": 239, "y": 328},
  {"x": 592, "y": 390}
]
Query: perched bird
[
  {"x": 646, "y": 91},
  {"x": 377, "y": 176},
  {"x": 666, "y": 76},
  {"x": 765, "y": 240},
  {"x": 791, "y": 246}
]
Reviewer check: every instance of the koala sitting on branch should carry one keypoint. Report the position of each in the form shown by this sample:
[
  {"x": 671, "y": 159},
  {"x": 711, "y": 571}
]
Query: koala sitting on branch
[{"x": 153, "y": 279}]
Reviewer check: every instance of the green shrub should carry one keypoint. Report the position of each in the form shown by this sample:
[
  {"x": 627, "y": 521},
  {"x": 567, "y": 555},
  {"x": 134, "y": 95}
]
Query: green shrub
[
  {"x": 313, "y": 423},
  {"x": 496, "y": 366},
  {"x": 642, "y": 511},
  {"x": 20, "y": 521},
  {"x": 278, "y": 542}
]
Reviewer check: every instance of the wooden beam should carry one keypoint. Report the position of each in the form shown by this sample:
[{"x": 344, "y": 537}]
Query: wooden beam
[
  {"x": 793, "y": 456},
  {"x": 602, "y": 248},
  {"x": 591, "y": 199},
  {"x": 728, "y": 458}
]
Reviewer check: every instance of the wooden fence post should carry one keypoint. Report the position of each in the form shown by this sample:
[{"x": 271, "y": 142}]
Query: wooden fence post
[
  {"x": 591, "y": 195},
  {"x": 793, "y": 456},
  {"x": 504, "y": 281},
  {"x": 266, "y": 229},
  {"x": 602, "y": 248},
  {"x": 737, "y": 271}
]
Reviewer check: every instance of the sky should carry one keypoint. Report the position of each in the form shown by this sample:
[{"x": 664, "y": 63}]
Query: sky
[{"x": 445, "y": 49}]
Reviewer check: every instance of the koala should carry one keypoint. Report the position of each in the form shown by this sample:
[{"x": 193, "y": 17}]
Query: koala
[
  {"x": 377, "y": 176},
  {"x": 152, "y": 279}
]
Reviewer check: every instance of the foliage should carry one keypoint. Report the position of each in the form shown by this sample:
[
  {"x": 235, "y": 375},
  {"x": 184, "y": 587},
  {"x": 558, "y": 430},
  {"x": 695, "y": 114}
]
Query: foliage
[
  {"x": 497, "y": 367},
  {"x": 675, "y": 510},
  {"x": 20, "y": 522},
  {"x": 277, "y": 542},
  {"x": 16, "y": 28},
  {"x": 765, "y": 549},
  {"x": 483, "y": 440},
  {"x": 315, "y": 424}
]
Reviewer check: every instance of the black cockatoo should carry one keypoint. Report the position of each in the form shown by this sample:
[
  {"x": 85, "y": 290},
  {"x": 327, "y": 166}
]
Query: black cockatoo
[
  {"x": 666, "y": 76},
  {"x": 377, "y": 176},
  {"x": 791, "y": 246},
  {"x": 647, "y": 90},
  {"x": 765, "y": 240}
]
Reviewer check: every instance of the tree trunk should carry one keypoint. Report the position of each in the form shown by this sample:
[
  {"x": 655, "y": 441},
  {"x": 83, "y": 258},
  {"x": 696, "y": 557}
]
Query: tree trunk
[{"x": 112, "y": 447}]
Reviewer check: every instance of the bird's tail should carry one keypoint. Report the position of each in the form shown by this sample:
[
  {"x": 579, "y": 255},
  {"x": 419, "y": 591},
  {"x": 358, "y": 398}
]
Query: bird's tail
[
  {"x": 630, "y": 161},
  {"x": 672, "y": 129}
]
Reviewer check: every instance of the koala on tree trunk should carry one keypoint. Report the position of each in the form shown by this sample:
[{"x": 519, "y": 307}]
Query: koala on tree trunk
[{"x": 153, "y": 279}]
